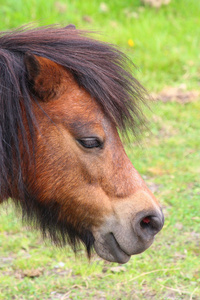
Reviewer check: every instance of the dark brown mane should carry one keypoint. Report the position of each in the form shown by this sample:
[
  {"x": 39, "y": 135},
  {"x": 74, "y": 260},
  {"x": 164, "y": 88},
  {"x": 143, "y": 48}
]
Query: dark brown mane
[{"x": 100, "y": 68}]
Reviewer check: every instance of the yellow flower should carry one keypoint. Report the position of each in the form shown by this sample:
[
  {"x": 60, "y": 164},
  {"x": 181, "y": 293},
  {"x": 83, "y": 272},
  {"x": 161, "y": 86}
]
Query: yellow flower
[{"x": 131, "y": 43}]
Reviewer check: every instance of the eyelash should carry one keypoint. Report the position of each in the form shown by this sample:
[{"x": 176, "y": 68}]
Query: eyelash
[{"x": 90, "y": 142}]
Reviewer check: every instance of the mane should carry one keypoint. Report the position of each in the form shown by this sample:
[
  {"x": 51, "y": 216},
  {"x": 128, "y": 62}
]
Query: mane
[{"x": 103, "y": 70}]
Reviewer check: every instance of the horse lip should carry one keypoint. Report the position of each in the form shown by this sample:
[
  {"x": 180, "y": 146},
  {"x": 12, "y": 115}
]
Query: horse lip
[
  {"x": 107, "y": 247},
  {"x": 120, "y": 255}
]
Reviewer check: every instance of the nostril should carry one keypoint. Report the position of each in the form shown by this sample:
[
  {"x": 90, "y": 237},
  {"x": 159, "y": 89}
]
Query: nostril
[
  {"x": 145, "y": 222},
  {"x": 149, "y": 226}
]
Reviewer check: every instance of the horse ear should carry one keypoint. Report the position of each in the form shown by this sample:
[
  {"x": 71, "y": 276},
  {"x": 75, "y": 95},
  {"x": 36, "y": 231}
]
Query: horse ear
[
  {"x": 32, "y": 66},
  {"x": 70, "y": 26},
  {"x": 43, "y": 76}
]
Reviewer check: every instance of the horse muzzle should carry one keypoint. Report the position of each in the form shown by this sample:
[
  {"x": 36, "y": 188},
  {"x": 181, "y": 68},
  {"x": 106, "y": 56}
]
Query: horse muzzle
[{"x": 127, "y": 232}]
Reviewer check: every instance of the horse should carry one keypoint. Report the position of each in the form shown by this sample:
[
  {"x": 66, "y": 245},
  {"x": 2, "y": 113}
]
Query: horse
[{"x": 65, "y": 98}]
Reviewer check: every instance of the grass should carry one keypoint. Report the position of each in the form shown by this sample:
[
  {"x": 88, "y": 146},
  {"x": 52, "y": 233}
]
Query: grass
[
  {"x": 166, "y": 42},
  {"x": 166, "y": 50}
]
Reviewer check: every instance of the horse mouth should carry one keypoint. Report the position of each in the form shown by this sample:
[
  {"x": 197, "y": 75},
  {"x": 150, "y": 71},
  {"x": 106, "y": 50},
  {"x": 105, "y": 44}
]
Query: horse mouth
[
  {"x": 108, "y": 248},
  {"x": 120, "y": 255}
]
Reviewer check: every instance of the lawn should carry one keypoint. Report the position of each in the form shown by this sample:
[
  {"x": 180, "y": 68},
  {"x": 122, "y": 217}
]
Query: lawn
[{"x": 164, "y": 44}]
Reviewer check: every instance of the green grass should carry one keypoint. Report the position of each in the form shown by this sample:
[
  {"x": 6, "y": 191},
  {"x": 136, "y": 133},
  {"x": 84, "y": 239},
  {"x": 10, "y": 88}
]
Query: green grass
[
  {"x": 166, "y": 42},
  {"x": 166, "y": 51}
]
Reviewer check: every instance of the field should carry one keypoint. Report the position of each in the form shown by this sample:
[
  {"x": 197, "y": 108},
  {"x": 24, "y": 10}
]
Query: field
[{"x": 164, "y": 44}]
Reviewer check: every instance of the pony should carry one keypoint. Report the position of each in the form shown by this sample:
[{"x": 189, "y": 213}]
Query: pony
[{"x": 64, "y": 99}]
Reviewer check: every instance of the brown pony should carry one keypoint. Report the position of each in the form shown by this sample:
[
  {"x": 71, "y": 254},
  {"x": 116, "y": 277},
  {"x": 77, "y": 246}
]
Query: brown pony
[{"x": 63, "y": 98}]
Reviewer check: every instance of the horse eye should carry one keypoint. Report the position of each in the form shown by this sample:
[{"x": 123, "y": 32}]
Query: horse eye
[{"x": 90, "y": 142}]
